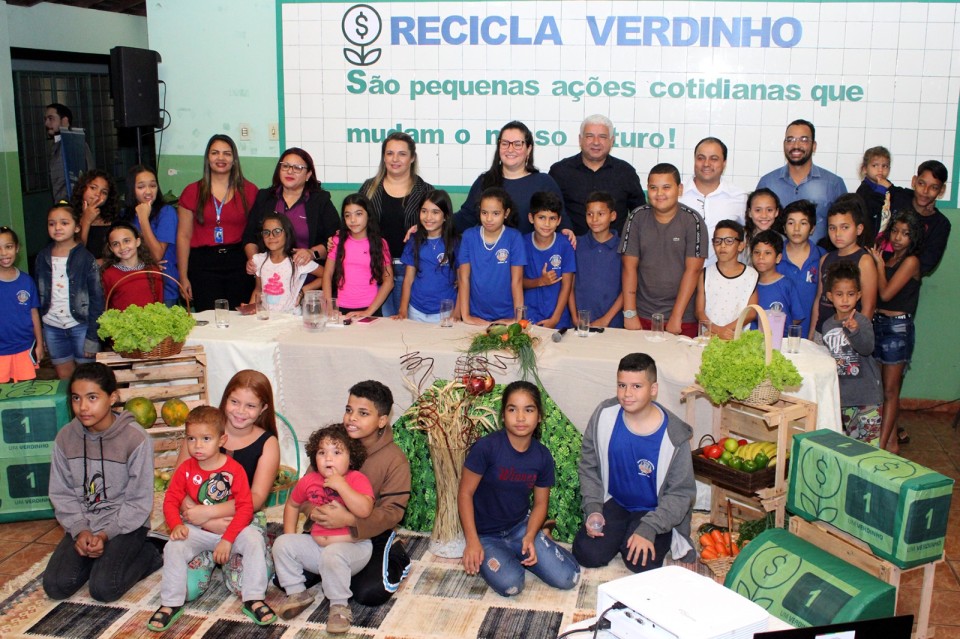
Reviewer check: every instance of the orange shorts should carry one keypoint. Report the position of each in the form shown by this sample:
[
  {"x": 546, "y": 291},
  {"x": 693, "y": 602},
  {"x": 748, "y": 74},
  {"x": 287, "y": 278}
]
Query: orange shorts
[{"x": 17, "y": 368}]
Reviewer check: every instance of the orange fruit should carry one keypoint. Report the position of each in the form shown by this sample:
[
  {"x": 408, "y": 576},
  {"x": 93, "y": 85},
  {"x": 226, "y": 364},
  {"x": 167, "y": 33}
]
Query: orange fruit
[
  {"x": 143, "y": 410},
  {"x": 174, "y": 412}
]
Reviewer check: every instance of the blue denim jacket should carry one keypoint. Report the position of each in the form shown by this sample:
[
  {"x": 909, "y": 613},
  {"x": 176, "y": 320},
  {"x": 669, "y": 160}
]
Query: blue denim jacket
[{"x": 86, "y": 289}]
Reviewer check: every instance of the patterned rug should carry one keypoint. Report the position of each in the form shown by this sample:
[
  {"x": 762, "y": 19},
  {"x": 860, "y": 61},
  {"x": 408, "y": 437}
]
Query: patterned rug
[{"x": 438, "y": 600}]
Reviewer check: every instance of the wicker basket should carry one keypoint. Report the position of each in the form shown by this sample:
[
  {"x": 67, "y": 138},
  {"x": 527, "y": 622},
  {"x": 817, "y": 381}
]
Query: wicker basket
[
  {"x": 764, "y": 392},
  {"x": 720, "y": 567},
  {"x": 167, "y": 347},
  {"x": 279, "y": 493}
]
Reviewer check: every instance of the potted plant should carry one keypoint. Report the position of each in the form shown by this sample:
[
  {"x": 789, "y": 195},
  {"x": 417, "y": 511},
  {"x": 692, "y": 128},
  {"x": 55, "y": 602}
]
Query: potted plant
[
  {"x": 147, "y": 332},
  {"x": 738, "y": 367}
]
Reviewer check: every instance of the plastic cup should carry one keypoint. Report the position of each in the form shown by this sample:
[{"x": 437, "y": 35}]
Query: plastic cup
[
  {"x": 446, "y": 313},
  {"x": 222, "y": 313},
  {"x": 263, "y": 311},
  {"x": 583, "y": 322},
  {"x": 520, "y": 314},
  {"x": 794, "y": 336}
]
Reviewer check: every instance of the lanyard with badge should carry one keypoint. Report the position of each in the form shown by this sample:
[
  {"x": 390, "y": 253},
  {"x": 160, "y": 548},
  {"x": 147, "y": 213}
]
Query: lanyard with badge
[{"x": 218, "y": 230}]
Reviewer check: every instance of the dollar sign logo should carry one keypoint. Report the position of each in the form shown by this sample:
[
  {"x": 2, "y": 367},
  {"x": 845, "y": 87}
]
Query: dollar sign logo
[{"x": 360, "y": 23}]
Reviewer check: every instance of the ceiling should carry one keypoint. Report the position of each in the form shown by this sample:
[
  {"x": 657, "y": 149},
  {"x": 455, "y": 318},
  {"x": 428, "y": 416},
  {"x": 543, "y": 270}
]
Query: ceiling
[{"x": 128, "y": 7}]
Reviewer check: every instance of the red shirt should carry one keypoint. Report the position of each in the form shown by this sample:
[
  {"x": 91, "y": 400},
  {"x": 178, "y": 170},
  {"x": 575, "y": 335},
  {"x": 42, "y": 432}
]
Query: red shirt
[
  {"x": 217, "y": 486},
  {"x": 139, "y": 289},
  {"x": 233, "y": 217}
]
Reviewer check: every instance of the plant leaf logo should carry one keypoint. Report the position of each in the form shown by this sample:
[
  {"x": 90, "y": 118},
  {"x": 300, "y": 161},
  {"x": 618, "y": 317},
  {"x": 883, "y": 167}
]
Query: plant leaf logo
[{"x": 361, "y": 27}]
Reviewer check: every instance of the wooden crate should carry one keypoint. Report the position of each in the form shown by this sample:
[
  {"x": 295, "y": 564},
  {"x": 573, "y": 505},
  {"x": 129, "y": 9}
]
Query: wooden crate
[
  {"x": 776, "y": 422},
  {"x": 183, "y": 376},
  {"x": 855, "y": 552}
]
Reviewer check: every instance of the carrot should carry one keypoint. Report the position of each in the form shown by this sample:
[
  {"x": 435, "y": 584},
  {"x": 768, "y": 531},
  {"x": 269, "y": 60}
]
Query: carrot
[
  {"x": 708, "y": 553},
  {"x": 706, "y": 541},
  {"x": 734, "y": 550},
  {"x": 722, "y": 551},
  {"x": 717, "y": 537},
  {"x": 727, "y": 543}
]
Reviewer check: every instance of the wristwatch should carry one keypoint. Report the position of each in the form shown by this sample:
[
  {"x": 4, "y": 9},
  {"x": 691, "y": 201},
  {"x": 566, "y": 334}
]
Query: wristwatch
[{"x": 629, "y": 314}]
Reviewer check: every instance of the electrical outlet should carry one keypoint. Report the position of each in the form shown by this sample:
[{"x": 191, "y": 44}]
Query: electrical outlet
[
  {"x": 244, "y": 132},
  {"x": 274, "y": 131}
]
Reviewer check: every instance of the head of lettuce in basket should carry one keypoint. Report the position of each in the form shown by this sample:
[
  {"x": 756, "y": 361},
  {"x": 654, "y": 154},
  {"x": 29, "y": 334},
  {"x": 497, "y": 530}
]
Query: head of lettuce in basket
[
  {"x": 733, "y": 369},
  {"x": 141, "y": 329}
]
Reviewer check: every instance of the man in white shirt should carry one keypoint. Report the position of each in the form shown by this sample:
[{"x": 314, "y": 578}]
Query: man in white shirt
[{"x": 708, "y": 193}]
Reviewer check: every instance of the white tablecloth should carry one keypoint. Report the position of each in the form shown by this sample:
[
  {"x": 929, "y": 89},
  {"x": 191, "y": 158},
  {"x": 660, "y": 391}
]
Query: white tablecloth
[{"x": 311, "y": 372}]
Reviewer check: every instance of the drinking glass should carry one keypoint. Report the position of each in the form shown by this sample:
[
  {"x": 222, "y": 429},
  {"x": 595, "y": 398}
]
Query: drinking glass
[
  {"x": 583, "y": 322},
  {"x": 263, "y": 311},
  {"x": 521, "y": 314},
  {"x": 446, "y": 313},
  {"x": 703, "y": 334},
  {"x": 222, "y": 313},
  {"x": 313, "y": 311},
  {"x": 793, "y": 338},
  {"x": 656, "y": 328},
  {"x": 333, "y": 312}
]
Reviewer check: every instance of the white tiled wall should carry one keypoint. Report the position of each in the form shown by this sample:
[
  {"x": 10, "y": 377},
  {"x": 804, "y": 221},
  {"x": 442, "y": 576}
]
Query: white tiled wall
[{"x": 906, "y": 57}]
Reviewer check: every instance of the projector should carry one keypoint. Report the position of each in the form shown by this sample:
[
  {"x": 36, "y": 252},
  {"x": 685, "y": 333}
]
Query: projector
[{"x": 676, "y": 603}]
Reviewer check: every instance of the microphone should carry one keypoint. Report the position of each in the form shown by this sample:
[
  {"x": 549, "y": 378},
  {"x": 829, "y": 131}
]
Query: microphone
[{"x": 557, "y": 336}]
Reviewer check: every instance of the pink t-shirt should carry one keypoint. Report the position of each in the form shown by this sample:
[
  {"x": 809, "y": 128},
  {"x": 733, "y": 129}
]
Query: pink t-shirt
[
  {"x": 310, "y": 488},
  {"x": 357, "y": 290}
]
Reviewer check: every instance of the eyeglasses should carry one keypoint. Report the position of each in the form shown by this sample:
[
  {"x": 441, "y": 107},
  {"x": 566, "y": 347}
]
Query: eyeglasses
[
  {"x": 803, "y": 139},
  {"x": 727, "y": 241},
  {"x": 296, "y": 169},
  {"x": 517, "y": 144},
  {"x": 277, "y": 232}
]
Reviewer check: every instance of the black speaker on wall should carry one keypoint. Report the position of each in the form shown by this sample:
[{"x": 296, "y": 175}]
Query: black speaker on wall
[{"x": 134, "y": 86}]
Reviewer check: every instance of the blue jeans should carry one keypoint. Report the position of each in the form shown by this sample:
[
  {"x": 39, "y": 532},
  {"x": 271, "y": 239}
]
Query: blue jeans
[
  {"x": 391, "y": 306},
  {"x": 502, "y": 570},
  {"x": 65, "y": 344},
  {"x": 595, "y": 552}
]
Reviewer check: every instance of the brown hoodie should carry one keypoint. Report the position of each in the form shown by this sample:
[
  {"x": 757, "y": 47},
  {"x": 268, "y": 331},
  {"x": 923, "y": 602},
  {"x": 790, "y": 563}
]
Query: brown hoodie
[{"x": 388, "y": 470}]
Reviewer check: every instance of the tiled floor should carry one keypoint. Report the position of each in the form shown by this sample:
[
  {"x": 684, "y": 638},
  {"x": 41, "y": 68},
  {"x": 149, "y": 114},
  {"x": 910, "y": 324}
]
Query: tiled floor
[{"x": 934, "y": 444}]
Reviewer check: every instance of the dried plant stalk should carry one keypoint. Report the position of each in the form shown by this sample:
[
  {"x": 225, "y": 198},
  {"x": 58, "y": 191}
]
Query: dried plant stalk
[{"x": 451, "y": 421}]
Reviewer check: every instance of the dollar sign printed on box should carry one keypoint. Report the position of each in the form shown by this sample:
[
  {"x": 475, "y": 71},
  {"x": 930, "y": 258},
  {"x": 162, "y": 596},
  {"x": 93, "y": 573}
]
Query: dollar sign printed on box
[
  {"x": 898, "y": 507},
  {"x": 31, "y": 414}
]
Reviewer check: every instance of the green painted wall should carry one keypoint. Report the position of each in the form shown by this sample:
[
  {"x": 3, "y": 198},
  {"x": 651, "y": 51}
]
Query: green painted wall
[{"x": 11, "y": 206}]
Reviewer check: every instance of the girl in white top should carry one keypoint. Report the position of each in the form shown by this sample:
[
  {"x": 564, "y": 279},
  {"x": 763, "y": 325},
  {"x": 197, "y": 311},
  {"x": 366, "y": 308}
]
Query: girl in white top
[{"x": 280, "y": 280}]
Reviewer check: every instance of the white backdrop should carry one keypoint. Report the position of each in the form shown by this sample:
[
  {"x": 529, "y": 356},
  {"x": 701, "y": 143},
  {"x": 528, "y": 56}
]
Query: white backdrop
[{"x": 666, "y": 73}]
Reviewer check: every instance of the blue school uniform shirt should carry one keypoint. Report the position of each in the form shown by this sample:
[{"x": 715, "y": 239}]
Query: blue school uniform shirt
[
  {"x": 490, "y": 295},
  {"x": 785, "y": 292},
  {"x": 804, "y": 280},
  {"x": 633, "y": 461},
  {"x": 507, "y": 479},
  {"x": 164, "y": 228},
  {"x": 597, "y": 285},
  {"x": 436, "y": 279},
  {"x": 18, "y": 298},
  {"x": 560, "y": 258}
]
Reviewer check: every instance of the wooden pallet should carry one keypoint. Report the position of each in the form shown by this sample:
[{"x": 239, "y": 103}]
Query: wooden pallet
[
  {"x": 776, "y": 422},
  {"x": 183, "y": 376},
  {"x": 857, "y": 553}
]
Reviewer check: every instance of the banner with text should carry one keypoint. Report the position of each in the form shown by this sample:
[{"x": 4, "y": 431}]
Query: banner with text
[{"x": 668, "y": 74}]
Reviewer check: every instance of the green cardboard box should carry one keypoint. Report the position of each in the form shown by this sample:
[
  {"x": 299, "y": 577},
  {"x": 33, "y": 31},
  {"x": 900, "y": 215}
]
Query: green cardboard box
[
  {"x": 805, "y": 586},
  {"x": 31, "y": 415},
  {"x": 896, "y": 506}
]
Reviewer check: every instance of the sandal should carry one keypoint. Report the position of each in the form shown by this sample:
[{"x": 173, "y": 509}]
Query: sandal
[
  {"x": 165, "y": 618},
  {"x": 262, "y": 615},
  {"x": 902, "y": 436}
]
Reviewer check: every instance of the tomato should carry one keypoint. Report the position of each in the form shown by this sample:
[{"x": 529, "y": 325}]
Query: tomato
[
  {"x": 713, "y": 451},
  {"x": 742, "y": 442},
  {"x": 524, "y": 323}
]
